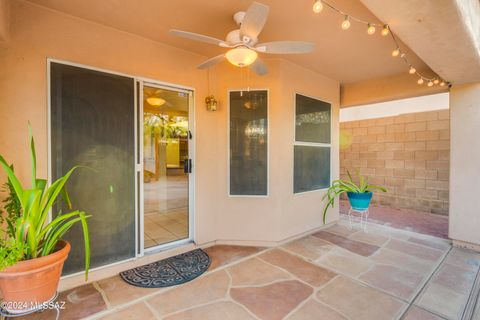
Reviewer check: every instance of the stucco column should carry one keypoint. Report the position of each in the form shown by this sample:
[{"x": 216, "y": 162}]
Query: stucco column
[{"x": 464, "y": 225}]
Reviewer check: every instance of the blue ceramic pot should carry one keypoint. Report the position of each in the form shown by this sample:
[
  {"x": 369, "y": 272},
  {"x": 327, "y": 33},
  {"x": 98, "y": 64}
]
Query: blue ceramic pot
[{"x": 359, "y": 201}]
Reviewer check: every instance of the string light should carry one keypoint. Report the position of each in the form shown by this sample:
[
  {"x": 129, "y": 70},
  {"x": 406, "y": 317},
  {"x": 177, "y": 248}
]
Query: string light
[
  {"x": 346, "y": 23},
  {"x": 385, "y": 31},
  {"x": 317, "y": 6},
  {"x": 371, "y": 29}
]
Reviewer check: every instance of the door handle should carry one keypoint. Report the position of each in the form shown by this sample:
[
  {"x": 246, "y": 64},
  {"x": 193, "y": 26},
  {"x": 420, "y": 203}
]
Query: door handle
[{"x": 187, "y": 166}]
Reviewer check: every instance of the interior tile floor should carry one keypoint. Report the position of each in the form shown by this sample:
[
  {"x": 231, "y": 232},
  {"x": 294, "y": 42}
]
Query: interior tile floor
[
  {"x": 335, "y": 273},
  {"x": 166, "y": 210}
]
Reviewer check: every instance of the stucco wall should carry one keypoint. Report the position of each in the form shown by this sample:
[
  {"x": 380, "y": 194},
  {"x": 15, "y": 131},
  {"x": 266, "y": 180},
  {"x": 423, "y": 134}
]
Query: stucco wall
[
  {"x": 409, "y": 154},
  {"x": 464, "y": 219},
  {"x": 38, "y": 33}
]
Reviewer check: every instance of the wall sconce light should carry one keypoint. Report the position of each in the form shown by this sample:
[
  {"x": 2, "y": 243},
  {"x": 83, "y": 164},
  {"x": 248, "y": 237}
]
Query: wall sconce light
[{"x": 211, "y": 103}]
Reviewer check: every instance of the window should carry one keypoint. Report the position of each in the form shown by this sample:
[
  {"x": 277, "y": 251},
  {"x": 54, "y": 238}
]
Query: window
[
  {"x": 312, "y": 146},
  {"x": 249, "y": 143}
]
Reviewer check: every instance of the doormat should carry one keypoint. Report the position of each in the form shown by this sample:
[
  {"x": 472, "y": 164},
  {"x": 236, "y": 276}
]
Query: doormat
[{"x": 170, "y": 271}]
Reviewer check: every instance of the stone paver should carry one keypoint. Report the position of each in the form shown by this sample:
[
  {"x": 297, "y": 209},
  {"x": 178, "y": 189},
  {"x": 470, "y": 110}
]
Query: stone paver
[
  {"x": 274, "y": 301},
  {"x": 334, "y": 274},
  {"x": 308, "y": 272},
  {"x": 358, "y": 301}
]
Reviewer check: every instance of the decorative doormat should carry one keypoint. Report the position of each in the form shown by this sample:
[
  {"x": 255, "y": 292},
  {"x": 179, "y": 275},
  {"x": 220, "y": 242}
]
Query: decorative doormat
[{"x": 169, "y": 272}]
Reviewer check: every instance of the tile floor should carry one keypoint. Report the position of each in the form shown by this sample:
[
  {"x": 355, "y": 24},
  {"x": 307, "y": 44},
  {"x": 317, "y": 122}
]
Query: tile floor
[{"x": 335, "y": 273}]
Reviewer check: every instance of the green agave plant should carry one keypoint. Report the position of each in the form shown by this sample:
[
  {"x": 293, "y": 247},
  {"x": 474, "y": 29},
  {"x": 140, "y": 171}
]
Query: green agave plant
[
  {"x": 343, "y": 186},
  {"x": 34, "y": 235}
]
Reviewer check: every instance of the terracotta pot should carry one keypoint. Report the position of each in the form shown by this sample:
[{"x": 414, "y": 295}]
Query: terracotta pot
[{"x": 32, "y": 282}]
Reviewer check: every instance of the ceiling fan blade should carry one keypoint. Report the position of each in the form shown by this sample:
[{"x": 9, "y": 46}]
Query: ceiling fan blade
[
  {"x": 197, "y": 37},
  {"x": 259, "y": 67},
  {"x": 285, "y": 47},
  {"x": 211, "y": 62},
  {"x": 254, "y": 20}
]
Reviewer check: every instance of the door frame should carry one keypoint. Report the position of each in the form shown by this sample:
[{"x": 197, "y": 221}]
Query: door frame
[
  {"x": 140, "y": 166},
  {"x": 138, "y": 109}
]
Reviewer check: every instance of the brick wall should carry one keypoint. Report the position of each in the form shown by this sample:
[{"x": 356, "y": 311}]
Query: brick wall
[{"x": 409, "y": 154}]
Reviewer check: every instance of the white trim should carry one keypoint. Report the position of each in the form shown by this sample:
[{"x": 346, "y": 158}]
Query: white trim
[
  {"x": 191, "y": 176},
  {"x": 49, "y": 133},
  {"x": 268, "y": 142},
  {"x": 139, "y": 171},
  {"x": 439, "y": 101},
  {"x": 310, "y": 144}
]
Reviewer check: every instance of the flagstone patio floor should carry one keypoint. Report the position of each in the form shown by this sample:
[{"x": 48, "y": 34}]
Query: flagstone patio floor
[{"x": 335, "y": 273}]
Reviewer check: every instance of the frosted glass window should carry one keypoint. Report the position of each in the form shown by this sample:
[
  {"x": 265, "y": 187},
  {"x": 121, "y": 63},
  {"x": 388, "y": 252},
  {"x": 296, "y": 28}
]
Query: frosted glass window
[
  {"x": 92, "y": 125},
  {"x": 249, "y": 143},
  {"x": 312, "y": 168},
  {"x": 312, "y": 120},
  {"x": 312, "y": 146}
]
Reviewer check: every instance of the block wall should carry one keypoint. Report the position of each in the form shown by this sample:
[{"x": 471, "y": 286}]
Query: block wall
[{"x": 409, "y": 154}]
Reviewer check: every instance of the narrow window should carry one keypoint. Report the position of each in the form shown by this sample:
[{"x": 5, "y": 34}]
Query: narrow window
[
  {"x": 249, "y": 143},
  {"x": 312, "y": 146}
]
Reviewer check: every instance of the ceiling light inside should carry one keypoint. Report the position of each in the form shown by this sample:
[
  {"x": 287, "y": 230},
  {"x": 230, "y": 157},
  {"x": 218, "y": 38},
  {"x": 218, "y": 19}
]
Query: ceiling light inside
[{"x": 155, "y": 101}]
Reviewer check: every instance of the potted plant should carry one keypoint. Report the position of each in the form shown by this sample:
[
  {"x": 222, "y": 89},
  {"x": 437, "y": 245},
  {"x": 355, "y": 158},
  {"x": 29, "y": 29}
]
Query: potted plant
[
  {"x": 32, "y": 251},
  {"x": 359, "y": 195}
]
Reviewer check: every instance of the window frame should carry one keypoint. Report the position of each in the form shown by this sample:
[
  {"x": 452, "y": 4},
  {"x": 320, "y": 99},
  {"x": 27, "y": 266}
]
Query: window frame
[
  {"x": 230, "y": 195},
  {"x": 310, "y": 144}
]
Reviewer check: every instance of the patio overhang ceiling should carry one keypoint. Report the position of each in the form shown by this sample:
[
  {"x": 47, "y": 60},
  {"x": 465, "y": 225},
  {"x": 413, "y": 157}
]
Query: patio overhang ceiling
[
  {"x": 444, "y": 34},
  {"x": 347, "y": 56}
]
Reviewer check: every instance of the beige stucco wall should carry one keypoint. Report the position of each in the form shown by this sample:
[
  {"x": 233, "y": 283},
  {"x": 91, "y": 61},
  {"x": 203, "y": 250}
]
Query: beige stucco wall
[
  {"x": 464, "y": 222},
  {"x": 409, "y": 154},
  {"x": 38, "y": 33}
]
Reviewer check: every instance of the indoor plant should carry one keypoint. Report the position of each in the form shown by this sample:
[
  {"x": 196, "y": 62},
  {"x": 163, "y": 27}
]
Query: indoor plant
[
  {"x": 32, "y": 256},
  {"x": 359, "y": 195}
]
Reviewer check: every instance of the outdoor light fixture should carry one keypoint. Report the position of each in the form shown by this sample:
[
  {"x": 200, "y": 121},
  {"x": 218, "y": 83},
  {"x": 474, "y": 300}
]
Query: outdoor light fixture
[
  {"x": 317, "y": 6},
  {"x": 371, "y": 29},
  {"x": 241, "y": 56},
  {"x": 211, "y": 103},
  {"x": 346, "y": 23},
  {"x": 384, "y": 31},
  {"x": 155, "y": 101}
]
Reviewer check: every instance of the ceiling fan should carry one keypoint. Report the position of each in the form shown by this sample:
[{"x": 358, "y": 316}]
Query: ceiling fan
[{"x": 243, "y": 42}]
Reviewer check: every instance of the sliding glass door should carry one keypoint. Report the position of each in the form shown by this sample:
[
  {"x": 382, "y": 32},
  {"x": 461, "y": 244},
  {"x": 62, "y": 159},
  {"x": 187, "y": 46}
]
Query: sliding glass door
[
  {"x": 166, "y": 164},
  {"x": 93, "y": 126}
]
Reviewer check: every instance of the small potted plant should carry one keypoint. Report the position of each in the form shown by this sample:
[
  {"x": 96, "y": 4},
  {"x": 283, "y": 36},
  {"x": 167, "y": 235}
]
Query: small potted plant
[
  {"x": 32, "y": 252},
  {"x": 359, "y": 195}
]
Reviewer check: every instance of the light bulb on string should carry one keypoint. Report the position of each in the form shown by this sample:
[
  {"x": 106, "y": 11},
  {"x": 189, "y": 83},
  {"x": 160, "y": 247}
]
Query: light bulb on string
[
  {"x": 385, "y": 30},
  {"x": 420, "y": 81},
  {"x": 370, "y": 29},
  {"x": 442, "y": 84},
  {"x": 436, "y": 81},
  {"x": 395, "y": 52},
  {"x": 412, "y": 70},
  {"x": 317, "y": 6},
  {"x": 346, "y": 23},
  {"x": 430, "y": 83}
]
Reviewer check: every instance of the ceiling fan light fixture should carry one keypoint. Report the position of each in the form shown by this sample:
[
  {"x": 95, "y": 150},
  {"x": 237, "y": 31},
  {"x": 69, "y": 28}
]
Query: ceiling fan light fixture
[
  {"x": 241, "y": 56},
  {"x": 155, "y": 101}
]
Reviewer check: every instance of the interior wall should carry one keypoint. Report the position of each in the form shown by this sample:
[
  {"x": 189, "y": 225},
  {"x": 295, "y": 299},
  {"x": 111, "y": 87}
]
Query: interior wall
[
  {"x": 464, "y": 222},
  {"x": 38, "y": 33}
]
